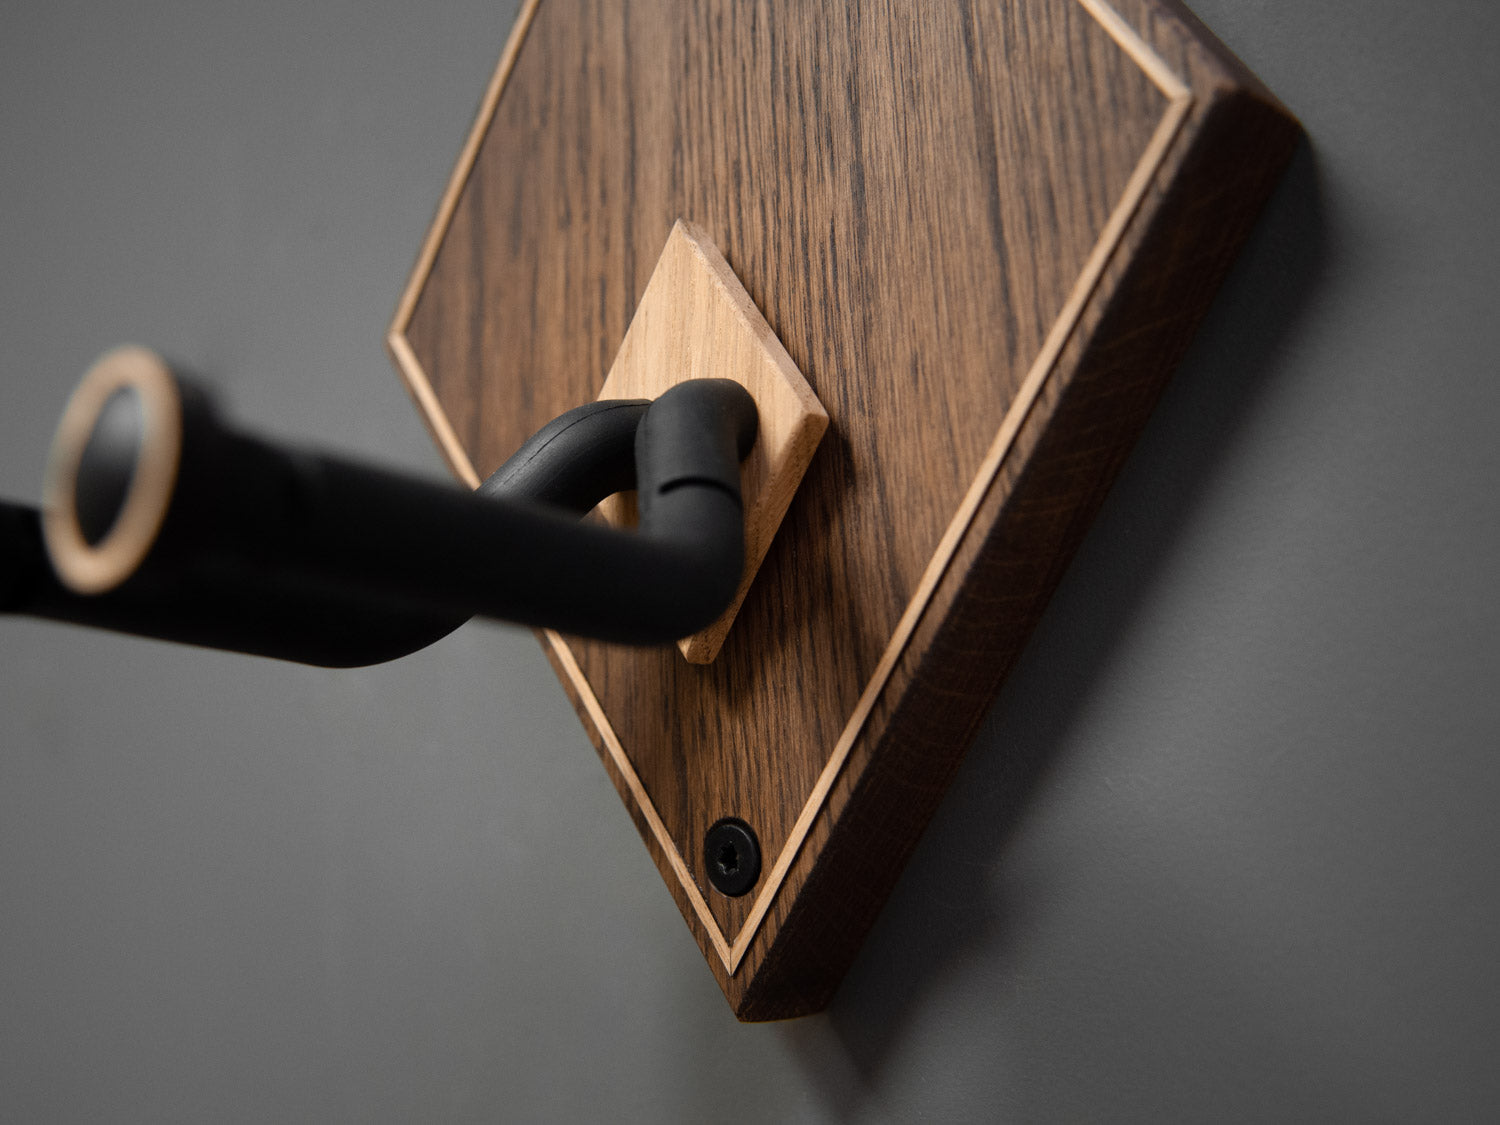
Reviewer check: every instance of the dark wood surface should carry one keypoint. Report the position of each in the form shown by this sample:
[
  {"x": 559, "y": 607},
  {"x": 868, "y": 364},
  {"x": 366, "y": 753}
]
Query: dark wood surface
[{"x": 963, "y": 220}]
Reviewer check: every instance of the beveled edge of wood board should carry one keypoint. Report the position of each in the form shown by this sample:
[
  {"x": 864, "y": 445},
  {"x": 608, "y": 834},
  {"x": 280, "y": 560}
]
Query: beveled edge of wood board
[{"x": 1179, "y": 103}]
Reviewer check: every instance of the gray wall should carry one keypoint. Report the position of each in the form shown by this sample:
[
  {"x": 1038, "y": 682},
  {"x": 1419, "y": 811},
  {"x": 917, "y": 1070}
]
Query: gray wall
[{"x": 1226, "y": 848}]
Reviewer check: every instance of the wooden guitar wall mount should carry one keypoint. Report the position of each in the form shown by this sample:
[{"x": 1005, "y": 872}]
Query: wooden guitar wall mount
[{"x": 973, "y": 239}]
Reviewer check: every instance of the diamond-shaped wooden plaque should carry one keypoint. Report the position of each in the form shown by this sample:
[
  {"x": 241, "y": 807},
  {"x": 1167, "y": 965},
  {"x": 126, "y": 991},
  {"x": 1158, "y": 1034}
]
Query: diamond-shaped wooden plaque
[{"x": 984, "y": 232}]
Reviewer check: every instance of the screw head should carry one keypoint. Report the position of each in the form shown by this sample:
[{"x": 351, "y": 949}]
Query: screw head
[{"x": 732, "y": 855}]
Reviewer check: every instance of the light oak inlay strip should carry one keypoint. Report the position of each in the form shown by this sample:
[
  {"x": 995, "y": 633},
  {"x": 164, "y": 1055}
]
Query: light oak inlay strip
[
  {"x": 1010, "y": 426},
  {"x": 638, "y": 791},
  {"x": 406, "y": 361}
]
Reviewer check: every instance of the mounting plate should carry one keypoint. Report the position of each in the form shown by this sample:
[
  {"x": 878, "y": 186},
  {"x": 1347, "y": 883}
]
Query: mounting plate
[
  {"x": 984, "y": 233},
  {"x": 695, "y": 321}
]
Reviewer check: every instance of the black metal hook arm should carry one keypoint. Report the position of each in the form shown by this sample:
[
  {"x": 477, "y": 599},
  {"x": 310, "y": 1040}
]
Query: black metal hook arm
[{"x": 162, "y": 520}]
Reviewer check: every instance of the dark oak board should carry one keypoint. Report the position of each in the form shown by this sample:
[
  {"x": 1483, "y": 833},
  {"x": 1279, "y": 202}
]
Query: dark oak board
[{"x": 984, "y": 233}]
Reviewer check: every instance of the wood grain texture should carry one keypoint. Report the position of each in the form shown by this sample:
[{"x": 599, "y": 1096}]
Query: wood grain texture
[
  {"x": 984, "y": 233},
  {"x": 695, "y": 321}
]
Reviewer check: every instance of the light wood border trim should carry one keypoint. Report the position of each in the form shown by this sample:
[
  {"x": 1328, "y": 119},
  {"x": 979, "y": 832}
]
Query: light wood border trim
[
  {"x": 643, "y": 801},
  {"x": 411, "y": 371},
  {"x": 1010, "y": 426},
  {"x": 1180, "y": 101},
  {"x": 1166, "y": 80}
]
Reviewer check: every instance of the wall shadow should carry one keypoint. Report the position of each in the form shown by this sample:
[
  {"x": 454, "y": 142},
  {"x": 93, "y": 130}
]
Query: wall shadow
[{"x": 935, "y": 920}]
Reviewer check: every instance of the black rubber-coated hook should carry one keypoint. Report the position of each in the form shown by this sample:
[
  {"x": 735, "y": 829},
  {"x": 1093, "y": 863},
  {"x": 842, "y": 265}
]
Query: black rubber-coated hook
[{"x": 161, "y": 520}]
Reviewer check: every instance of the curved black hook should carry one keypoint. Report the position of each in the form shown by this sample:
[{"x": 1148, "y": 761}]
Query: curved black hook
[{"x": 307, "y": 557}]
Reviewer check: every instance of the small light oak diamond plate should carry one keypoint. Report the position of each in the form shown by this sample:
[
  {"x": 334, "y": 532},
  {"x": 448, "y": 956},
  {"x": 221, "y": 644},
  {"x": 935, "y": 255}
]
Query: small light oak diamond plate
[{"x": 695, "y": 321}]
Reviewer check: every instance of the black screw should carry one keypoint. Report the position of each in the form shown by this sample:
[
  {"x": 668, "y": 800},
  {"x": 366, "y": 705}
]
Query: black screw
[{"x": 732, "y": 856}]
